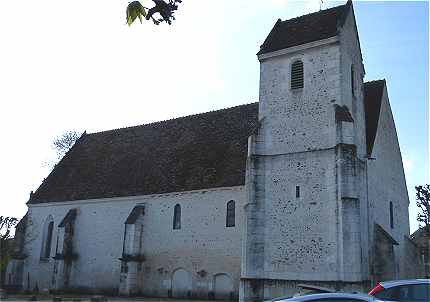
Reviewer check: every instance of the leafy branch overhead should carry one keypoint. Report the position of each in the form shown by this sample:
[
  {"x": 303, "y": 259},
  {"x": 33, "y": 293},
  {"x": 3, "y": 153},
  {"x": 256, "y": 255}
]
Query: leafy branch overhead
[
  {"x": 162, "y": 11},
  {"x": 6, "y": 225}
]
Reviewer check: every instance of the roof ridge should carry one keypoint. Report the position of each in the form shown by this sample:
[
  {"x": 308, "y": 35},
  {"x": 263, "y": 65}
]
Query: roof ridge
[
  {"x": 374, "y": 81},
  {"x": 307, "y": 28},
  {"x": 317, "y": 12},
  {"x": 170, "y": 120}
]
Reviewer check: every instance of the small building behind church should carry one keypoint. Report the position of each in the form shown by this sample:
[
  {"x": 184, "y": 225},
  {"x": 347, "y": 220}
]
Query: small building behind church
[
  {"x": 421, "y": 238},
  {"x": 305, "y": 186}
]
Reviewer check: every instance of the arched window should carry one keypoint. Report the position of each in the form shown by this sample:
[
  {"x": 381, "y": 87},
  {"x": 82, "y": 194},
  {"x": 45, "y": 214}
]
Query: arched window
[
  {"x": 391, "y": 215},
  {"x": 230, "y": 217},
  {"x": 297, "y": 80},
  {"x": 352, "y": 79},
  {"x": 177, "y": 217},
  {"x": 48, "y": 229}
]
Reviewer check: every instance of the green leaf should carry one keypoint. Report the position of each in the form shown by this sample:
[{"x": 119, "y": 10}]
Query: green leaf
[{"x": 135, "y": 10}]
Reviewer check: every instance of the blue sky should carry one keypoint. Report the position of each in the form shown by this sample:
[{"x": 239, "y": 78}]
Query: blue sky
[{"x": 84, "y": 69}]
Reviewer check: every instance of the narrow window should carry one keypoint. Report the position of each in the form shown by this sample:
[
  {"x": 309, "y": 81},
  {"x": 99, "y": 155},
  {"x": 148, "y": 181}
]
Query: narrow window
[
  {"x": 177, "y": 217},
  {"x": 47, "y": 238},
  {"x": 230, "y": 217},
  {"x": 297, "y": 191},
  {"x": 56, "y": 245},
  {"x": 297, "y": 75},
  {"x": 391, "y": 215},
  {"x": 141, "y": 239},
  {"x": 352, "y": 79}
]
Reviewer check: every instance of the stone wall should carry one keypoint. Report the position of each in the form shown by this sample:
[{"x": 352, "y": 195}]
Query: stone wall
[
  {"x": 294, "y": 147},
  {"x": 384, "y": 262},
  {"x": 204, "y": 247},
  {"x": 414, "y": 266},
  {"x": 299, "y": 120},
  {"x": 352, "y": 96},
  {"x": 300, "y": 242}
]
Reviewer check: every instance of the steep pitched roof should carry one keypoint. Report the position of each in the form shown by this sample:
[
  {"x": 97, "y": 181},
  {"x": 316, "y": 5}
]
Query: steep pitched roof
[
  {"x": 304, "y": 29},
  {"x": 372, "y": 104},
  {"x": 201, "y": 151}
]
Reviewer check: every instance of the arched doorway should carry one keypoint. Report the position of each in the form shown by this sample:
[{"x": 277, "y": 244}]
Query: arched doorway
[
  {"x": 223, "y": 287},
  {"x": 181, "y": 284}
]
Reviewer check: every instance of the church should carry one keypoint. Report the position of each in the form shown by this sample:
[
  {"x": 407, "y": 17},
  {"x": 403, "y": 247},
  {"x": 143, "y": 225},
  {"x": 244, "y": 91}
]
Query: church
[{"x": 305, "y": 186}]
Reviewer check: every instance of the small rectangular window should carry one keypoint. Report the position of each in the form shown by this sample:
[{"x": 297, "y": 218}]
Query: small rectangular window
[
  {"x": 391, "y": 215},
  {"x": 297, "y": 191}
]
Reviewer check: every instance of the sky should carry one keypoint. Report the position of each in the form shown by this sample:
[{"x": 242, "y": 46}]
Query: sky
[{"x": 76, "y": 65}]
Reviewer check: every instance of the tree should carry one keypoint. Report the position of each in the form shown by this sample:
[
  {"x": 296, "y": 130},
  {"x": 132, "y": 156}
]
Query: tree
[
  {"x": 64, "y": 142},
  {"x": 161, "y": 12},
  {"x": 423, "y": 203},
  {"x": 6, "y": 226},
  {"x": 61, "y": 144}
]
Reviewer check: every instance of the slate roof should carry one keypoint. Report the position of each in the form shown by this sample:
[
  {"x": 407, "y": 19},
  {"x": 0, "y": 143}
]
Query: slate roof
[
  {"x": 342, "y": 114},
  {"x": 201, "y": 151},
  {"x": 304, "y": 29},
  {"x": 372, "y": 105}
]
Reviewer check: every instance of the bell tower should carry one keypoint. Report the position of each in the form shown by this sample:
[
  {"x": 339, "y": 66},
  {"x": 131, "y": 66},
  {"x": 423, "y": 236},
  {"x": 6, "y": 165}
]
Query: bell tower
[{"x": 306, "y": 164}]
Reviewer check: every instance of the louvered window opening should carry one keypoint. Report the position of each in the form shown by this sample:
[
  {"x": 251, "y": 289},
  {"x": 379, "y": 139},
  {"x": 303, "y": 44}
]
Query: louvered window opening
[{"x": 297, "y": 80}]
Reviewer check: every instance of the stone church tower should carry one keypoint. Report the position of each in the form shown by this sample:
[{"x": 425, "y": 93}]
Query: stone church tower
[{"x": 307, "y": 216}]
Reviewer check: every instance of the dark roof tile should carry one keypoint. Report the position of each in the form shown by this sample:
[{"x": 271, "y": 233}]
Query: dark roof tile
[
  {"x": 201, "y": 151},
  {"x": 342, "y": 114},
  {"x": 304, "y": 29},
  {"x": 372, "y": 104}
]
